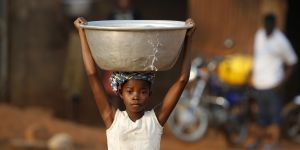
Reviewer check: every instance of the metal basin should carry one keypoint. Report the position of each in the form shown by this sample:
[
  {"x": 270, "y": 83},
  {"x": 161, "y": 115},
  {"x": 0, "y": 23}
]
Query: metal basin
[{"x": 135, "y": 45}]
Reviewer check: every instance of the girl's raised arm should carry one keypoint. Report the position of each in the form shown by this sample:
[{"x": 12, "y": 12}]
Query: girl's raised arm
[
  {"x": 176, "y": 89},
  {"x": 105, "y": 109}
]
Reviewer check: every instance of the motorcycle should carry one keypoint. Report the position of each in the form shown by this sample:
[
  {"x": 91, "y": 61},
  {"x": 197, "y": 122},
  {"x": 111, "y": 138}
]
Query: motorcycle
[
  {"x": 291, "y": 124},
  {"x": 207, "y": 102}
]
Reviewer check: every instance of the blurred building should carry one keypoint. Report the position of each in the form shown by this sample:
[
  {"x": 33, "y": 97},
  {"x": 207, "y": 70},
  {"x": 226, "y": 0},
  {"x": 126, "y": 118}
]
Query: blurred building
[
  {"x": 3, "y": 49},
  {"x": 228, "y": 27},
  {"x": 34, "y": 35}
]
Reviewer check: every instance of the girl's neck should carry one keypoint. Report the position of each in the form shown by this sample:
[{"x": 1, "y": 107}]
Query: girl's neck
[{"x": 133, "y": 116}]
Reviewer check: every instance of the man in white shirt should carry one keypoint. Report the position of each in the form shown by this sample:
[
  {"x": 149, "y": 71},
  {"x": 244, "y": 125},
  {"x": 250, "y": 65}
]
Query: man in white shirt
[{"x": 273, "y": 61}]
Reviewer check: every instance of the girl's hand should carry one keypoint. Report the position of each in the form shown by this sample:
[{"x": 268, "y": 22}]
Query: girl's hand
[
  {"x": 79, "y": 21},
  {"x": 190, "y": 31}
]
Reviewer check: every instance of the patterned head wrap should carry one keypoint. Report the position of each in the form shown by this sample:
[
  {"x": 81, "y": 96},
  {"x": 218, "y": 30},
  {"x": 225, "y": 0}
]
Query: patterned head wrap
[{"x": 118, "y": 78}]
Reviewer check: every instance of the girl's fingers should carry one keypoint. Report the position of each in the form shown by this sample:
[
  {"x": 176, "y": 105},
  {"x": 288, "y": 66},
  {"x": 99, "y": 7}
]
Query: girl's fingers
[
  {"x": 191, "y": 30},
  {"x": 190, "y": 22},
  {"x": 82, "y": 20},
  {"x": 79, "y": 21}
]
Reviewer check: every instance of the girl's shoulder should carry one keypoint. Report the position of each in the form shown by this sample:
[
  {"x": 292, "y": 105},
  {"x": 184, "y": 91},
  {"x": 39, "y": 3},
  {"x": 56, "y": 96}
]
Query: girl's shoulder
[{"x": 154, "y": 115}]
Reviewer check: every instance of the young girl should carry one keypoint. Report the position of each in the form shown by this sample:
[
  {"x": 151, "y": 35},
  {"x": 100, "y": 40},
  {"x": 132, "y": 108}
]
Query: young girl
[{"x": 135, "y": 128}]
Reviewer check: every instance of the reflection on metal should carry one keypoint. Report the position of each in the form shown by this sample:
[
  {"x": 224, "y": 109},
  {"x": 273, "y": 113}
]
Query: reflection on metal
[{"x": 3, "y": 49}]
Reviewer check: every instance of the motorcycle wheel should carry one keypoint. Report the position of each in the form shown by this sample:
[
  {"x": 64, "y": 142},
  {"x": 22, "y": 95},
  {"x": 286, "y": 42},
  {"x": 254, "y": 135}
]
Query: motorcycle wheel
[
  {"x": 292, "y": 122},
  {"x": 188, "y": 123},
  {"x": 236, "y": 126},
  {"x": 236, "y": 132}
]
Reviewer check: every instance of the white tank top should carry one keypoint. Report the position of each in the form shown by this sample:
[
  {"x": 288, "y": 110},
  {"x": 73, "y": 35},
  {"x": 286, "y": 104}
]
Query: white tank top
[{"x": 143, "y": 134}]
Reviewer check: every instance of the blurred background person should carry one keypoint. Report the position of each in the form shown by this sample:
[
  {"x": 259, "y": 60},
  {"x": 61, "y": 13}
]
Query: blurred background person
[
  {"x": 124, "y": 10},
  {"x": 73, "y": 77},
  {"x": 274, "y": 59}
]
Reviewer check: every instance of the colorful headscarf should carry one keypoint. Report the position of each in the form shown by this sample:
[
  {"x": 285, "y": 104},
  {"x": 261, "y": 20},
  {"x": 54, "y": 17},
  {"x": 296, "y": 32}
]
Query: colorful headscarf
[{"x": 118, "y": 78}]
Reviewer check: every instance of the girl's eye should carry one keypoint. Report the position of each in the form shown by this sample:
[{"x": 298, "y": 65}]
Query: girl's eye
[{"x": 144, "y": 91}]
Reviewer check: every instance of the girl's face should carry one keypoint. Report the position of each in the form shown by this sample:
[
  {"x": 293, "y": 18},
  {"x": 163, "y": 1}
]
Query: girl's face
[{"x": 135, "y": 94}]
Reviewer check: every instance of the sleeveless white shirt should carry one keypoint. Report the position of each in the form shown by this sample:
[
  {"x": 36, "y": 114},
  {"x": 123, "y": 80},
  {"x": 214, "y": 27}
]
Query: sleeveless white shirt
[{"x": 143, "y": 134}]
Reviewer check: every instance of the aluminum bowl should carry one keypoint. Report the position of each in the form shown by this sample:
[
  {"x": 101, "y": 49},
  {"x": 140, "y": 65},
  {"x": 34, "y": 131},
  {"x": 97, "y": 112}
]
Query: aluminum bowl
[{"x": 135, "y": 45}]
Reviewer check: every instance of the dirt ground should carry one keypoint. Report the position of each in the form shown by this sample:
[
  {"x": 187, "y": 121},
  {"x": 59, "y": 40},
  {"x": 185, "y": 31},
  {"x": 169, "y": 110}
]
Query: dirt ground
[{"x": 24, "y": 128}]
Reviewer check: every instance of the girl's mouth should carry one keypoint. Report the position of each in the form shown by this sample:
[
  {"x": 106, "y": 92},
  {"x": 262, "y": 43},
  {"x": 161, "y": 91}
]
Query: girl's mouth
[{"x": 135, "y": 104}]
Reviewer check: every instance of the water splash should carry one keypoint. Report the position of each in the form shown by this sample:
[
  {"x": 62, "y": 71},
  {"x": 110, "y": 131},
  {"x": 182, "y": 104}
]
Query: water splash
[{"x": 155, "y": 43}]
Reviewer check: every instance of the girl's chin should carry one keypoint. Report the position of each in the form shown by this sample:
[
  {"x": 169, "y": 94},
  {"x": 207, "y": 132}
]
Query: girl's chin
[{"x": 136, "y": 109}]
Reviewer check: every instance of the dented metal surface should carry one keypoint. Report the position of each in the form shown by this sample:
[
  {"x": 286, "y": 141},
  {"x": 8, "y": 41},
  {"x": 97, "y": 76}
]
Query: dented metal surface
[{"x": 135, "y": 45}]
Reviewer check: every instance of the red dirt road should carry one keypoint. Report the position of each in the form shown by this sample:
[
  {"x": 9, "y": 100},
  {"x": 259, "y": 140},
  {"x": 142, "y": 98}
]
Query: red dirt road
[{"x": 15, "y": 122}]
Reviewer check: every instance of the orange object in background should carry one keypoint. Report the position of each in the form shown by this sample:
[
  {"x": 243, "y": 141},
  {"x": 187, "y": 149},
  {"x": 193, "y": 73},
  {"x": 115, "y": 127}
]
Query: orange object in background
[
  {"x": 235, "y": 70},
  {"x": 106, "y": 83}
]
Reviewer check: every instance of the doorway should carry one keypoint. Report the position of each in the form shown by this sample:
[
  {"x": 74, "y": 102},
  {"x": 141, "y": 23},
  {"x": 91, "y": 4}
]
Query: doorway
[{"x": 292, "y": 29}]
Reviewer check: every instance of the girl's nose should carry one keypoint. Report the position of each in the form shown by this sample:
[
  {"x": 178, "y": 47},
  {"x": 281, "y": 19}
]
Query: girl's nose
[{"x": 135, "y": 95}]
